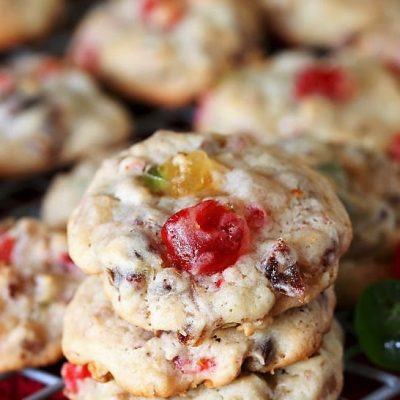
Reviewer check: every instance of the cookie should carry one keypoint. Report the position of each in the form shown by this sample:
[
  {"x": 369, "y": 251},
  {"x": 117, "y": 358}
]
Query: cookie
[
  {"x": 160, "y": 364},
  {"x": 66, "y": 190},
  {"x": 191, "y": 232},
  {"x": 21, "y": 21},
  {"x": 37, "y": 279},
  {"x": 319, "y": 377},
  {"x": 382, "y": 40},
  {"x": 328, "y": 23},
  {"x": 52, "y": 114},
  {"x": 165, "y": 52},
  {"x": 334, "y": 99},
  {"x": 368, "y": 184}
]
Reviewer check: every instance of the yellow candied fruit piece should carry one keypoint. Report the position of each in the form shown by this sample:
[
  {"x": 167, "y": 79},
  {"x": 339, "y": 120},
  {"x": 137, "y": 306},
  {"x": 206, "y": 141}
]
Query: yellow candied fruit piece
[{"x": 190, "y": 174}]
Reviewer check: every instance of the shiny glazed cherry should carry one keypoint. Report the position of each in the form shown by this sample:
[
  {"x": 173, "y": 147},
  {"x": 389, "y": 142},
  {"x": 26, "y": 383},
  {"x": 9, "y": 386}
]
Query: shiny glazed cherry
[
  {"x": 205, "y": 239},
  {"x": 72, "y": 374},
  {"x": 6, "y": 248},
  {"x": 333, "y": 83}
]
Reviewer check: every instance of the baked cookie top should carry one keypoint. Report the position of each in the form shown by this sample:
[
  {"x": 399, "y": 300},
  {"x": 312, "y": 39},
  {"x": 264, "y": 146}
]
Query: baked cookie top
[
  {"x": 192, "y": 232},
  {"x": 165, "y": 52},
  {"x": 319, "y": 377},
  {"x": 367, "y": 182},
  {"x": 336, "y": 99},
  {"x": 66, "y": 189},
  {"x": 161, "y": 365},
  {"x": 52, "y": 114},
  {"x": 23, "y": 20},
  {"x": 382, "y": 39},
  {"x": 37, "y": 279},
  {"x": 327, "y": 23}
]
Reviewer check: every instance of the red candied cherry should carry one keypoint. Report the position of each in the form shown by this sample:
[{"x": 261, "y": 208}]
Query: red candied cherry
[
  {"x": 394, "y": 148},
  {"x": 333, "y": 83},
  {"x": 48, "y": 68},
  {"x": 86, "y": 56},
  {"x": 396, "y": 265},
  {"x": 256, "y": 216},
  {"x": 205, "y": 238},
  {"x": 67, "y": 262},
  {"x": 7, "y": 82},
  {"x": 7, "y": 244},
  {"x": 162, "y": 13},
  {"x": 72, "y": 374}
]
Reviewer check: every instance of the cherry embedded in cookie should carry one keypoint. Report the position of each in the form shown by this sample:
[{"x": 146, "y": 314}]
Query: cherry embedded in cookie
[
  {"x": 72, "y": 374},
  {"x": 333, "y": 83},
  {"x": 206, "y": 238},
  {"x": 164, "y": 14},
  {"x": 256, "y": 216},
  {"x": 7, "y": 82},
  {"x": 7, "y": 244},
  {"x": 187, "y": 366},
  {"x": 394, "y": 148}
]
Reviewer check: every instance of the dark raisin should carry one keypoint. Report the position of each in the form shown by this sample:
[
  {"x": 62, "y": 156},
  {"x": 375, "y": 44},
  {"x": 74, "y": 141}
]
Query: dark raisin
[{"x": 283, "y": 271}]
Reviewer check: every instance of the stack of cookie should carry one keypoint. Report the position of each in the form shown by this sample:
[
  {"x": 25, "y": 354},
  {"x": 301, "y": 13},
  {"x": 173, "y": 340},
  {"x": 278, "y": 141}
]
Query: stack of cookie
[{"x": 212, "y": 262}]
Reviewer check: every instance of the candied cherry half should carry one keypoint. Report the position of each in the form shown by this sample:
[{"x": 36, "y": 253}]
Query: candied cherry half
[
  {"x": 7, "y": 82},
  {"x": 7, "y": 244},
  {"x": 72, "y": 374},
  {"x": 394, "y": 148},
  {"x": 164, "y": 14},
  {"x": 333, "y": 83},
  {"x": 206, "y": 238}
]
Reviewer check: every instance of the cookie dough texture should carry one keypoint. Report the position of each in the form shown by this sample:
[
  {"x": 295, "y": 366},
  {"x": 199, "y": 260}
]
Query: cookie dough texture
[
  {"x": 35, "y": 287},
  {"x": 24, "y": 20},
  {"x": 115, "y": 233},
  {"x": 261, "y": 100},
  {"x": 328, "y": 23},
  {"x": 66, "y": 190},
  {"x": 52, "y": 114},
  {"x": 165, "y": 53},
  {"x": 150, "y": 365},
  {"x": 368, "y": 183},
  {"x": 319, "y": 377}
]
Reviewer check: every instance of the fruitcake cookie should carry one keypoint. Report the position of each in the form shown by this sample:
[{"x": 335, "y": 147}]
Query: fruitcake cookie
[
  {"x": 66, "y": 190},
  {"x": 319, "y": 377},
  {"x": 382, "y": 40},
  {"x": 326, "y": 23},
  {"x": 335, "y": 99},
  {"x": 52, "y": 114},
  {"x": 191, "y": 232},
  {"x": 37, "y": 279},
  {"x": 368, "y": 183},
  {"x": 23, "y": 20},
  {"x": 165, "y": 52},
  {"x": 159, "y": 364}
]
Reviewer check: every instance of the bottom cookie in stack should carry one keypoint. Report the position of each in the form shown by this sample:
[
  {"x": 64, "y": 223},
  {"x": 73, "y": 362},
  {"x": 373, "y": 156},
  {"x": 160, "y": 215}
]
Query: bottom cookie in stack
[
  {"x": 318, "y": 377},
  {"x": 147, "y": 364}
]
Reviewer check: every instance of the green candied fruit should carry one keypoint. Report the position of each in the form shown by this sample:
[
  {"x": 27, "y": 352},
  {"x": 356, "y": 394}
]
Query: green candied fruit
[
  {"x": 155, "y": 179},
  {"x": 335, "y": 172}
]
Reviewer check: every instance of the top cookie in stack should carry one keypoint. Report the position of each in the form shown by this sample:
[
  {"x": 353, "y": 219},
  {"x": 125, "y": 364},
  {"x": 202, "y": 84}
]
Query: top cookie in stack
[{"x": 191, "y": 233}]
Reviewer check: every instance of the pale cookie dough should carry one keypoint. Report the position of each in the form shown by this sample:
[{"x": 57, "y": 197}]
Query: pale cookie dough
[
  {"x": 320, "y": 377},
  {"x": 368, "y": 183},
  {"x": 37, "y": 280},
  {"x": 24, "y": 20},
  {"x": 159, "y": 365},
  {"x": 323, "y": 23},
  {"x": 66, "y": 190},
  {"x": 165, "y": 52},
  {"x": 292, "y": 256},
  {"x": 52, "y": 114},
  {"x": 273, "y": 99}
]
